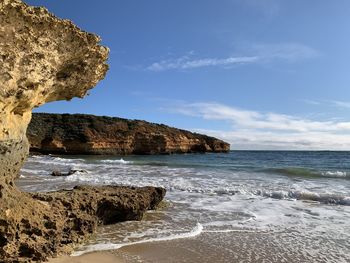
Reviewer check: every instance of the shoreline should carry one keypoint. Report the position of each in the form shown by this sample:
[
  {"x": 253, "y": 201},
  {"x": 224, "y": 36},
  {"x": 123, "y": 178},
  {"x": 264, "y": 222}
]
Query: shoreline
[{"x": 246, "y": 224}]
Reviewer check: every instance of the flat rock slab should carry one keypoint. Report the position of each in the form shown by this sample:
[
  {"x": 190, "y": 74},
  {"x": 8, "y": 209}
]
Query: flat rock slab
[{"x": 68, "y": 217}]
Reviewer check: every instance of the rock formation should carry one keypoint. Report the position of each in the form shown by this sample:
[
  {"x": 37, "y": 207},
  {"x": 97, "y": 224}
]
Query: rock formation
[
  {"x": 45, "y": 59},
  {"x": 51, "y": 223},
  {"x": 88, "y": 134}
]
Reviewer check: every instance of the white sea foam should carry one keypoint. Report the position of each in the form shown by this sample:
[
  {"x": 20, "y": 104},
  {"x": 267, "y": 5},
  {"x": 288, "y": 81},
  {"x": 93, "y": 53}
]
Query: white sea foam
[
  {"x": 197, "y": 230},
  {"x": 33, "y": 171},
  {"x": 325, "y": 198},
  {"x": 340, "y": 174},
  {"x": 228, "y": 222},
  {"x": 68, "y": 160},
  {"x": 50, "y": 160},
  {"x": 232, "y": 230},
  {"x": 120, "y": 161},
  {"x": 173, "y": 182}
]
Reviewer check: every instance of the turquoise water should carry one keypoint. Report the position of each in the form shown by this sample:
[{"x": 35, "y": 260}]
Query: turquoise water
[{"x": 292, "y": 204}]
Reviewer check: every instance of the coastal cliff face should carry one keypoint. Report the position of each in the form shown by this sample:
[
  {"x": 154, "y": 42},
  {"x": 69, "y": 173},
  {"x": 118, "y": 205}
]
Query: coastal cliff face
[
  {"x": 45, "y": 59},
  {"x": 42, "y": 59},
  {"x": 88, "y": 134}
]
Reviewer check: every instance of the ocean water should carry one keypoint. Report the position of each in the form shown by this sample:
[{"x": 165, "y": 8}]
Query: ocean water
[{"x": 243, "y": 206}]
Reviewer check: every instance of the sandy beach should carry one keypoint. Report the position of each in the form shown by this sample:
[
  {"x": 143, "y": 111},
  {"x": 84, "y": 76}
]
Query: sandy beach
[{"x": 100, "y": 257}]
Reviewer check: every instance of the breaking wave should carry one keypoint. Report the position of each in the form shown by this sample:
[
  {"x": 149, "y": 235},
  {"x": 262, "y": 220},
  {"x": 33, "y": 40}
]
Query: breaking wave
[
  {"x": 308, "y": 173},
  {"x": 120, "y": 161},
  {"x": 329, "y": 199}
]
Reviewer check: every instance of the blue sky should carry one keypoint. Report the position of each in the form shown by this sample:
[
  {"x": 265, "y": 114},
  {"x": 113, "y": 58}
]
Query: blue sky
[{"x": 261, "y": 74}]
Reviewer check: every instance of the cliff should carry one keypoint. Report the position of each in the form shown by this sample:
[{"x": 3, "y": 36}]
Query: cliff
[
  {"x": 88, "y": 134},
  {"x": 43, "y": 59}
]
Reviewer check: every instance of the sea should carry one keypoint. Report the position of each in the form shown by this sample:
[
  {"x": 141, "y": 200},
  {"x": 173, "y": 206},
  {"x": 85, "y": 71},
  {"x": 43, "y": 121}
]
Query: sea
[{"x": 241, "y": 206}]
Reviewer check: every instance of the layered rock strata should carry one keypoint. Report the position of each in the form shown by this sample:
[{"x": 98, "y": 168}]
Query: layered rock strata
[
  {"x": 88, "y": 134},
  {"x": 44, "y": 59}
]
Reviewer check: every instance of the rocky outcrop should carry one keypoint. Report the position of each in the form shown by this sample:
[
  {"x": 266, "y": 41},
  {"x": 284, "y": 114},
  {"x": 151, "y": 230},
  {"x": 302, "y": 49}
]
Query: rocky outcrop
[
  {"x": 88, "y": 134},
  {"x": 62, "y": 219},
  {"x": 42, "y": 59},
  {"x": 74, "y": 216},
  {"x": 45, "y": 59}
]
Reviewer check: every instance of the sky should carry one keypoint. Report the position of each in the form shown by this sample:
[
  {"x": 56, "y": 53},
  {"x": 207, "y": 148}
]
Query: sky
[{"x": 260, "y": 74}]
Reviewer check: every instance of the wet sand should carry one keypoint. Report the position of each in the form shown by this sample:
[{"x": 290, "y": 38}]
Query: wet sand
[
  {"x": 160, "y": 252},
  {"x": 240, "y": 247},
  {"x": 100, "y": 257},
  {"x": 207, "y": 248}
]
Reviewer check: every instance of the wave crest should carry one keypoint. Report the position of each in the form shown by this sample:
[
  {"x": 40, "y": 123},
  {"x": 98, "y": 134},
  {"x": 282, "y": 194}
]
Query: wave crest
[
  {"x": 120, "y": 161},
  {"x": 308, "y": 173},
  {"x": 331, "y": 199}
]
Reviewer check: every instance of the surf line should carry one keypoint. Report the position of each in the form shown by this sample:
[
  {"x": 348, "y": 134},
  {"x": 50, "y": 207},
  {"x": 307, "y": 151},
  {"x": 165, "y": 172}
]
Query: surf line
[
  {"x": 235, "y": 230},
  {"x": 197, "y": 230}
]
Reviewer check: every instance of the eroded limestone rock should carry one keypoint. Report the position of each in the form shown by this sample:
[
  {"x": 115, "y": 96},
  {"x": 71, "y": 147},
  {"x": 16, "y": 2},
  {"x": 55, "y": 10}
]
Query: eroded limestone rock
[{"x": 43, "y": 59}]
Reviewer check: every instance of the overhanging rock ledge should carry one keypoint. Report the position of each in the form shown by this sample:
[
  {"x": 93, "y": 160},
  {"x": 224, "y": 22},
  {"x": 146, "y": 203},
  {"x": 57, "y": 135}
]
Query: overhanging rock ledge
[{"x": 44, "y": 59}]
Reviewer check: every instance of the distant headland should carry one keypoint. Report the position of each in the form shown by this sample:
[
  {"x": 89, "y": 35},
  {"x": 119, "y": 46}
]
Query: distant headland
[{"x": 89, "y": 134}]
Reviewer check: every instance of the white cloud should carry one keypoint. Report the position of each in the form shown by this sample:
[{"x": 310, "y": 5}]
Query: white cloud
[
  {"x": 258, "y": 53},
  {"x": 258, "y": 120},
  {"x": 260, "y": 140},
  {"x": 186, "y": 63},
  {"x": 259, "y": 130}
]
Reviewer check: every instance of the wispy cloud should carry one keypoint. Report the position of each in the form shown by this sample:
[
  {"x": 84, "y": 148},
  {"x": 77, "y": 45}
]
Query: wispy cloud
[
  {"x": 185, "y": 62},
  {"x": 341, "y": 104},
  {"x": 258, "y": 53},
  {"x": 311, "y": 102},
  {"x": 332, "y": 103},
  {"x": 260, "y": 130}
]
